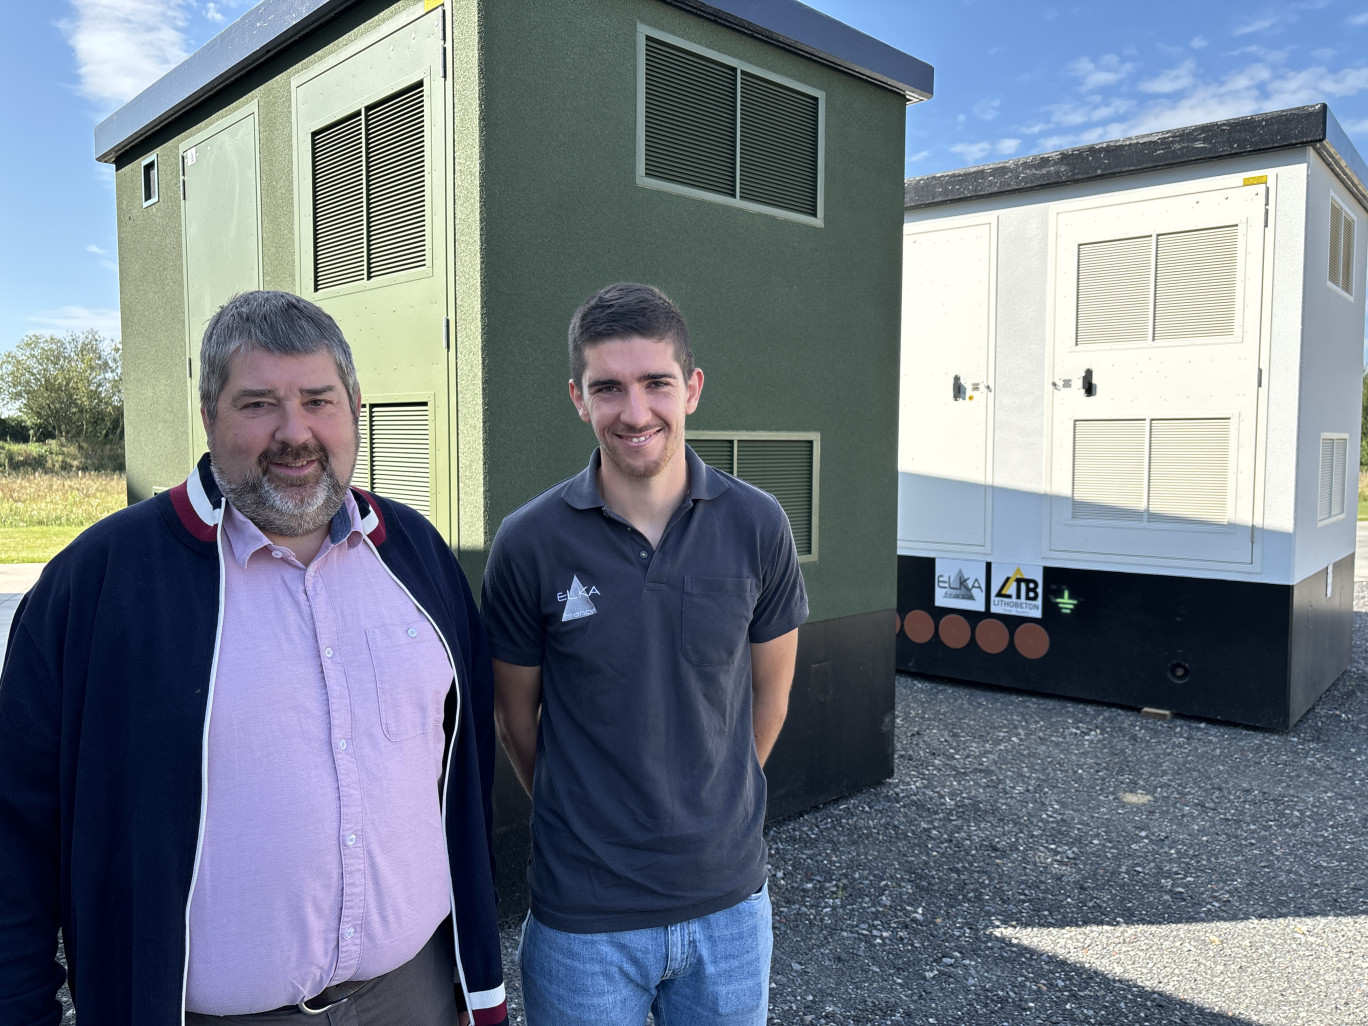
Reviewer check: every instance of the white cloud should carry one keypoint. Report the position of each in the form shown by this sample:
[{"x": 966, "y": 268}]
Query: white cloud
[
  {"x": 912, "y": 158},
  {"x": 972, "y": 152},
  {"x": 77, "y": 318},
  {"x": 1198, "y": 42},
  {"x": 1173, "y": 80},
  {"x": 1361, "y": 125},
  {"x": 1258, "y": 25},
  {"x": 1106, "y": 71},
  {"x": 212, "y": 12},
  {"x": 123, "y": 46},
  {"x": 92, "y": 248},
  {"x": 986, "y": 110},
  {"x": 1359, "y": 19},
  {"x": 1007, "y": 147}
]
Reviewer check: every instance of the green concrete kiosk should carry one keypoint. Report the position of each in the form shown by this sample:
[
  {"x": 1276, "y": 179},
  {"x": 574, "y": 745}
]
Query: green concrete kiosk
[{"x": 451, "y": 179}]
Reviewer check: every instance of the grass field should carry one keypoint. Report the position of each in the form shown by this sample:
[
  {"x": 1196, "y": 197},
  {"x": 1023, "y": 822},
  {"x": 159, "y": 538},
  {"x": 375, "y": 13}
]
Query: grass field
[{"x": 40, "y": 513}]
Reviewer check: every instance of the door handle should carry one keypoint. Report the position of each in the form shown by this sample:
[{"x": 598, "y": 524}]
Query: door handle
[
  {"x": 957, "y": 389},
  {"x": 1089, "y": 388}
]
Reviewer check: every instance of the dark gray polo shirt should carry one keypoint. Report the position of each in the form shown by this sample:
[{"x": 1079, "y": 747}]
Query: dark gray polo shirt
[{"x": 648, "y": 800}]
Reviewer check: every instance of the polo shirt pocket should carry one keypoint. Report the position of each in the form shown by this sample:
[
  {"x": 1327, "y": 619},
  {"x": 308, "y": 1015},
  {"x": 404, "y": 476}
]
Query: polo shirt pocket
[
  {"x": 412, "y": 677},
  {"x": 717, "y": 616}
]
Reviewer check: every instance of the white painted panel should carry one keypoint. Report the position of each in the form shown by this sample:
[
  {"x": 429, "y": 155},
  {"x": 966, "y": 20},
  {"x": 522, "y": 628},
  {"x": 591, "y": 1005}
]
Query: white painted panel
[
  {"x": 944, "y": 455},
  {"x": 1181, "y": 377}
]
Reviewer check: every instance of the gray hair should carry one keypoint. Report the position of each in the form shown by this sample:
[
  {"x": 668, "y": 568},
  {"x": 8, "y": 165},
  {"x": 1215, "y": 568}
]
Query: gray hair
[{"x": 279, "y": 323}]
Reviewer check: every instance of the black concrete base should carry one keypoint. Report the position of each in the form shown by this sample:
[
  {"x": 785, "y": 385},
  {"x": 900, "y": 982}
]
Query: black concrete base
[
  {"x": 1243, "y": 651},
  {"x": 838, "y": 738}
]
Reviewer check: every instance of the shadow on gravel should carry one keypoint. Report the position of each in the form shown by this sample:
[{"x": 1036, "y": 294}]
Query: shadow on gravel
[{"x": 1039, "y": 860}]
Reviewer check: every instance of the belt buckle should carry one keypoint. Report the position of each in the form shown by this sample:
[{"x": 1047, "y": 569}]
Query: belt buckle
[{"x": 350, "y": 988}]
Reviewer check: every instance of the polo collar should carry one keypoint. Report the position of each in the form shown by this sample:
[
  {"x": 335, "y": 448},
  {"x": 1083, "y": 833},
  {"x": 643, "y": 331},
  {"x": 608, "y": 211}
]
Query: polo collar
[{"x": 582, "y": 490}]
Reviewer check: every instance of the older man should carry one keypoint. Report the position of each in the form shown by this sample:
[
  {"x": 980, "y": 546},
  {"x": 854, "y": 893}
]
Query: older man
[{"x": 246, "y": 732}]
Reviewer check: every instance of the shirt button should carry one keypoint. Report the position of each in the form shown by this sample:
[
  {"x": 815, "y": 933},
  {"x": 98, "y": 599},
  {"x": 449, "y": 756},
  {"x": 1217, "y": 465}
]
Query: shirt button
[
  {"x": 328, "y": 652},
  {"x": 347, "y": 933},
  {"x": 342, "y": 744},
  {"x": 412, "y": 632},
  {"x": 643, "y": 554},
  {"x": 351, "y": 839},
  {"x": 277, "y": 553}
]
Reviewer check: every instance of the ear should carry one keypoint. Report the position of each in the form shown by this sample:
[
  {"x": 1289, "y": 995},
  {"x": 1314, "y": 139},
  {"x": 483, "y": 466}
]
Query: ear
[
  {"x": 693, "y": 388},
  {"x": 204, "y": 418},
  {"x": 577, "y": 397}
]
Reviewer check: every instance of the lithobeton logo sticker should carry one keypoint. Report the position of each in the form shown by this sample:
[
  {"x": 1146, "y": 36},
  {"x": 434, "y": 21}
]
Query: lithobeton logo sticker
[
  {"x": 1017, "y": 589},
  {"x": 959, "y": 583}
]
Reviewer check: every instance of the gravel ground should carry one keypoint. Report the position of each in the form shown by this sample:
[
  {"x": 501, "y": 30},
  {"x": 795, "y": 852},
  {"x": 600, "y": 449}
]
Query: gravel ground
[{"x": 1036, "y": 860}]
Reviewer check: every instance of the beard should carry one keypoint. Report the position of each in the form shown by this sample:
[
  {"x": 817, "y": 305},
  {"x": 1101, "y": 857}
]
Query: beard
[{"x": 289, "y": 511}]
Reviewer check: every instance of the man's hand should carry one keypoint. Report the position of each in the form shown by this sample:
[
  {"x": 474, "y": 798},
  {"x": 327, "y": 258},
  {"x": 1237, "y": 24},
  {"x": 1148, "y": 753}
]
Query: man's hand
[{"x": 517, "y": 711}]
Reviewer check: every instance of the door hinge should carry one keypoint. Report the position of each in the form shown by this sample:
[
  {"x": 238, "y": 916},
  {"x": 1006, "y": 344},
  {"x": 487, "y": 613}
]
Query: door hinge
[
  {"x": 446, "y": 334},
  {"x": 441, "y": 21},
  {"x": 189, "y": 368},
  {"x": 1260, "y": 384}
]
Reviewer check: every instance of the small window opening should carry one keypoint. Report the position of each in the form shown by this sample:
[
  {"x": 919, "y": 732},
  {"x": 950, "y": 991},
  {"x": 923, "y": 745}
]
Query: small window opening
[{"x": 149, "y": 180}]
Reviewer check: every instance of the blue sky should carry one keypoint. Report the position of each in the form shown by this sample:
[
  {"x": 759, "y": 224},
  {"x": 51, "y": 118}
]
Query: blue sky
[{"x": 1011, "y": 79}]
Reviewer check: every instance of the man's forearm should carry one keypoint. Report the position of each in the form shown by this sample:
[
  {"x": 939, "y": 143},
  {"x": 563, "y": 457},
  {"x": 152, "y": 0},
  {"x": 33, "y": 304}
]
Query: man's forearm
[
  {"x": 772, "y": 664},
  {"x": 517, "y": 711}
]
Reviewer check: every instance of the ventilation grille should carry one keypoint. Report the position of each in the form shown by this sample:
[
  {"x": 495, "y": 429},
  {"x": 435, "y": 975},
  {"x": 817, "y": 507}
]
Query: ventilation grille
[
  {"x": 709, "y": 125},
  {"x": 1170, "y": 472},
  {"x": 784, "y": 467},
  {"x": 370, "y": 192},
  {"x": 1333, "y": 469},
  {"x": 1166, "y": 287},
  {"x": 690, "y": 119},
  {"x": 778, "y": 145},
  {"x": 395, "y": 457},
  {"x": 1341, "y": 249}
]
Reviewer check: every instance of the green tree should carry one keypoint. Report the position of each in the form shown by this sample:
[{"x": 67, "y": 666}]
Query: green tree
[{"x": 68, "y": 387}]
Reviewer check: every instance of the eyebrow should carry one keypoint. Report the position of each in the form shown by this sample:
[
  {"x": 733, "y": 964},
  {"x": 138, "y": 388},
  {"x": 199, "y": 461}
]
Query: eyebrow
[
  {"x": 270, "y": 393},
  {"x": 659, "y": 376}
]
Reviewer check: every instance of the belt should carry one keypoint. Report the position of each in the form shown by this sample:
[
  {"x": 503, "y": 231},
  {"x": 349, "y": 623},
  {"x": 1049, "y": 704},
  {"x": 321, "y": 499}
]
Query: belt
[{"x": 328, "y": 997}]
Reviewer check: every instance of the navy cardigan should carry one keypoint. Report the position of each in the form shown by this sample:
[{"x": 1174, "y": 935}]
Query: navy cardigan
[{"x": 102, "y": 709}]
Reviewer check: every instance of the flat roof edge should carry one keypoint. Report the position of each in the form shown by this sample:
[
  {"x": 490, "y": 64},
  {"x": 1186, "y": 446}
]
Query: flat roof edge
[
  {"x": 263, "y": 30},
  {"x": 810, "y": 33},
  {"x": 1311, "y": 125}
]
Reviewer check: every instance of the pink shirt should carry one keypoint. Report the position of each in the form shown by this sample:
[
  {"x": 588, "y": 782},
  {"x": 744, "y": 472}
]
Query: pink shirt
[{"x": 323, "y": 856}]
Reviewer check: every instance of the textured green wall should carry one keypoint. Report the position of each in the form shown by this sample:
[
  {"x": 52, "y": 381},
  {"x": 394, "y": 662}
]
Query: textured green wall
[
  {"x": 151, "y": 278},
  {"x": 796, "y": 327}
]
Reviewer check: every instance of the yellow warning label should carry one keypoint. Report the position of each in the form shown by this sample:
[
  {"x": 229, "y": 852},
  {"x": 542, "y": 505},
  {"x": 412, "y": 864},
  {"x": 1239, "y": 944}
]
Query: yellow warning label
[
  {"x": 429, "y": 5},
  {"x": 1256, "y": 180}
]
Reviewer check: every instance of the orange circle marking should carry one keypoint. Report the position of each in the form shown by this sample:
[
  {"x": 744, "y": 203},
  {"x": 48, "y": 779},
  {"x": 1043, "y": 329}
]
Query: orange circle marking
[
  {"x": 1032, "y": 640},
  {"x": 992, "y": 635},
  {"x": 954, "y": 631},
  {"x": 919, "y": 626}
]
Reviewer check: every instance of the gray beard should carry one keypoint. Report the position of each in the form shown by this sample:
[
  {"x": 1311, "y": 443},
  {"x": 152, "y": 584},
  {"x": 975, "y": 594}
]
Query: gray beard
[{"x": 288, "y": 513}]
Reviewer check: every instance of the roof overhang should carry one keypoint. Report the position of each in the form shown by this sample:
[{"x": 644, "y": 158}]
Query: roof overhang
[
  {"x": 1312, "y": 126},
  {"x": 272, "y": 25}
]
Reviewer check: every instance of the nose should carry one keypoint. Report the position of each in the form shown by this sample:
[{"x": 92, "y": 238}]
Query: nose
[
  {"x": 293, "y": 428},
  {"x": 636, "y": 412}
]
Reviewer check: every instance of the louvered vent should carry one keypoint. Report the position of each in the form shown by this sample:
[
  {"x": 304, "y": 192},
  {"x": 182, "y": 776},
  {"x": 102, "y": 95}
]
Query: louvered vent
[
  {"x": 778, "y": 145},
  {"x": 690, "y": 119},
  {"x": 1333, "y": 469},
  {"x": 710, "y": 125},
  {"x": 1194, "y": 293},
  {"x": 1189, "y": 477},
  {"x": 370, "y": 192},
  {"x": 1164, "y": 288},
  {"x": 716, "y": 452},
  {"x": 1115, "y": 279},
  {"x": 339, "y": 204},
  {"x": 782, "y": 467},
  {"x": 395, "y": 458},
  {"x": 1341, "y": 249},
  {"x": 1109, "y": 471}
]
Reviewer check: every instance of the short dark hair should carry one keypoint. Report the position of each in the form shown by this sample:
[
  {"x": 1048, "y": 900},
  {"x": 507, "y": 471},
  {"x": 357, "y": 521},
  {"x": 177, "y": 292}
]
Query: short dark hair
[
  {"x": 624, "y": 310},
  {"x": 279, "y": 323}
]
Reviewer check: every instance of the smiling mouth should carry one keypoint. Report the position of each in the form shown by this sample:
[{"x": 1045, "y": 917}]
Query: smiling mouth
[{"x": 641, "y": 439}]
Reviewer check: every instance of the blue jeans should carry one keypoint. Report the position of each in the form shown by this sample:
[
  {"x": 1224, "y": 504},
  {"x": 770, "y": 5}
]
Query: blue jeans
[{"x": 710, "y": 971}]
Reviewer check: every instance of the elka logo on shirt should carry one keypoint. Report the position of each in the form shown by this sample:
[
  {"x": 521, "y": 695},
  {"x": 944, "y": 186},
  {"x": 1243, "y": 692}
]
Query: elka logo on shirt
[{"x": 577, "y": 601}]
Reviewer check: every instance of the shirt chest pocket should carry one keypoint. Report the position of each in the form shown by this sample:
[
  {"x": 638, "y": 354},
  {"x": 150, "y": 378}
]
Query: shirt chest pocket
[
  {"x": 717, "y": 616},
  {"x": 412, "y": 677}
]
